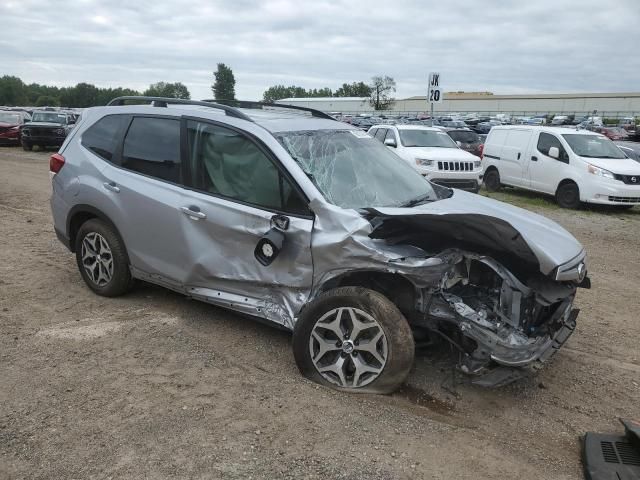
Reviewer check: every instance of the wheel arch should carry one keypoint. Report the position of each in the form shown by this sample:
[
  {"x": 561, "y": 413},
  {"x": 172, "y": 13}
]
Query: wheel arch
[
  {"x": 81, "y": 213},
  {"x": 396, "y": 287}
]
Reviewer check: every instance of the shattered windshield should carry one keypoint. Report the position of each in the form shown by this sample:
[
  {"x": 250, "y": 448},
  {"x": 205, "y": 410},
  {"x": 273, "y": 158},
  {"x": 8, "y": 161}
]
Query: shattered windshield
[
  {"x": 593, "y": 146},
  {"x": 352, "y": 170},
  {"x": 426, "y": 138}
]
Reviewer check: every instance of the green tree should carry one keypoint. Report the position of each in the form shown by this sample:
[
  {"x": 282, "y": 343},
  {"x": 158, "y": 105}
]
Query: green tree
[
  {"x": 47, "y": 101},
  {"x": 382, "y": 89},
  {"x": 224, "y": 85},
  {"x": 355, "y": 89},
  {"x": 168, "y": 90},
  {"x": 12, "y": 91}
]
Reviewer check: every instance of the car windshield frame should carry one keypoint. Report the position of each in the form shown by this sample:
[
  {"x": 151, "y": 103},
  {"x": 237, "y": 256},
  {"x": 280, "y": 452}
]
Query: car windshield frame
[
  {"x": 48, "y": 116},
  {"x": 352, "y": 170},
  {"x": 408, "y": 142},
  {"x": 578, "y": 144}
]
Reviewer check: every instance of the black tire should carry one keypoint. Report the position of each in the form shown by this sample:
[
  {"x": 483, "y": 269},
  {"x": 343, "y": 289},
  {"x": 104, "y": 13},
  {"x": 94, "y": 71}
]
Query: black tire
[
  {"x": 492, "y": 180},
  {"x": 568, "y": 195},
  {"x": 26, "y": 146},
  {"x": 399, "y": 338},
  {"x": 120, "y": 281}
]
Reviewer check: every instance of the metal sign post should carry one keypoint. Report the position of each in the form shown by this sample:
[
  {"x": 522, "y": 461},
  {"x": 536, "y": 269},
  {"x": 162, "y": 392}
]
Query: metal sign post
[{"x": 435, "y": 91}]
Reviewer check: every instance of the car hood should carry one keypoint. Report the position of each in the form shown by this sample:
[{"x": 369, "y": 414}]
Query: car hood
[
  {"x": 440, "y": 153},
  {"x": 8, "y": 125},
  {"x": 44, "y": 124},
  {"x": 474, "y": 219},
  {"x": 624, "y": 166}
]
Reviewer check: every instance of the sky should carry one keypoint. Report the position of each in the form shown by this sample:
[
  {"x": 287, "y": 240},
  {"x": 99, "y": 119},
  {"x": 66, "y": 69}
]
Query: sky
[{"x": 503, "y": 47}]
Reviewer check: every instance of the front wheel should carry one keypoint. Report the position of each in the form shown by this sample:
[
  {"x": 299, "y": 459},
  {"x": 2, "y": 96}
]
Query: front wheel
[
  {"x": 354, "y": 339},
  {"x": 568, "y": 196},
  {"x": 26, "y": 146}
]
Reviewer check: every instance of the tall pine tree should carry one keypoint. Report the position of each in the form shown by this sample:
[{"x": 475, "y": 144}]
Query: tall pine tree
[{"x": 224, "y": 86}]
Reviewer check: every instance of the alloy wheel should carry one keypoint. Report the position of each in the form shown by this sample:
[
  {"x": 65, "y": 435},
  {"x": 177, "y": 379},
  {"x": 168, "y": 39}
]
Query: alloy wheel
[
  {"x": 97, "y": 258},
  {"x": 348, "y": 347}
]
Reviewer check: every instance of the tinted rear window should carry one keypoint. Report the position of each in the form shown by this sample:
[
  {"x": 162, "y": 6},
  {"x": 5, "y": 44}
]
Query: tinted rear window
[
  {"x": 152, "y": 147},
  {"x": 102, "y": 137},
  {"x": 465, "y": 137}
]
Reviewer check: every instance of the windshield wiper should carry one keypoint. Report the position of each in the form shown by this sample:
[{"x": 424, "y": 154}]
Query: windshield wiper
[{"x": 416, "y": 201}]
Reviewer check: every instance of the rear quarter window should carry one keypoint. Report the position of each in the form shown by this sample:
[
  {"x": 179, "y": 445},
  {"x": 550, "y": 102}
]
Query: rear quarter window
[{"x": 103, "y": 137}]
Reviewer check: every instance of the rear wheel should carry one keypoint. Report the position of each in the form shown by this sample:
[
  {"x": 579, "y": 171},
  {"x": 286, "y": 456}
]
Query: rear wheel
[
  {"x": 568, "y": 195},
  {"x": 492, "y": 180},
  {"x": 102, "y": 259},
  {"x": 354, "y": 339}
]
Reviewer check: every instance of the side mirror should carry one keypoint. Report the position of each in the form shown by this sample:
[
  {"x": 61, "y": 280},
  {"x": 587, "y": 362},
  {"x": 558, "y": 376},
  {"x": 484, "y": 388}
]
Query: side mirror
[
  {"x": 554, "y": 152},
  {"x": 390, "y": 142}
]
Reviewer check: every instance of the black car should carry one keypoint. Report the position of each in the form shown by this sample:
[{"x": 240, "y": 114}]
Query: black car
[
  {"x": 630, "y": 149},
  {"x": 485, "y": 127},
  {"x": 47, "y": 129},
  {"x": 467, "y": 140}
]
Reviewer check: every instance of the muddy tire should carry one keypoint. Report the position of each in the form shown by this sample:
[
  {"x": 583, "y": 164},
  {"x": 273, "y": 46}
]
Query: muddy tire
[
  {"x": 568, "y": 196},
  {"x": 492, "y": 180},
  {"x": 354, "y": 339},
  {"x": 102, "y": 259}
]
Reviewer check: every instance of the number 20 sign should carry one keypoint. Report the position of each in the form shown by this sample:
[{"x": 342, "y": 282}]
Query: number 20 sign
[{"x": 435, "y": 90}]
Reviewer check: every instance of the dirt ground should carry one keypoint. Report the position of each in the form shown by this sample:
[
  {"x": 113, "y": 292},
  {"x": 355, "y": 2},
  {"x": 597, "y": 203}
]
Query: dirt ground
[{"x": 153, "y": 385}]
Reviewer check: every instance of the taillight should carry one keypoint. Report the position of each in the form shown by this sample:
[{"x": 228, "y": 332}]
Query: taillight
[{"x": 56, "y": 162}]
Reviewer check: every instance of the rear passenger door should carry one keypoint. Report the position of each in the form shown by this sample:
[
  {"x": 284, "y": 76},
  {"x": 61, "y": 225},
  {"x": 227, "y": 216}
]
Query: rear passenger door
[
  {"x": 143, "y": 183},
  {"x": 513, "y": 163},
  {"x": 240, "y": 190}
]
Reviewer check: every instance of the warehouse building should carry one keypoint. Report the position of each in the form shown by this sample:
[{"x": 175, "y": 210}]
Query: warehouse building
[{"x": 606, "y": 104}]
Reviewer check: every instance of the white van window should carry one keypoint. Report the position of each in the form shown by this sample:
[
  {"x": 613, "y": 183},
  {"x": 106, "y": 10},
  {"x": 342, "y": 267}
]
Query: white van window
[{"x": 546, "y": 141}]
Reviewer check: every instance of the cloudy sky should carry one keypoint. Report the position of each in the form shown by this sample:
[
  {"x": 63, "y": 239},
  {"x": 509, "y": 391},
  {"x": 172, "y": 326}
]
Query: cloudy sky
[{"x": 499, "y": 46}]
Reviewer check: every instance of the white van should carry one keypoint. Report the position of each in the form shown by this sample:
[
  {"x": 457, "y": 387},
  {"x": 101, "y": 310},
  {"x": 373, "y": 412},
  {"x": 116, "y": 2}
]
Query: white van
[
  {"x": 574, "y": 165},
  {"x": 433, "y": 153}
]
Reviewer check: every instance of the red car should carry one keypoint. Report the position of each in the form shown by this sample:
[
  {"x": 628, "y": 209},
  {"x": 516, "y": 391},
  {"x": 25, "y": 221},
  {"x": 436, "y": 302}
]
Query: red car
[
  {"x": 10, "y": 124},
  {"x": 612, "y": 133}
]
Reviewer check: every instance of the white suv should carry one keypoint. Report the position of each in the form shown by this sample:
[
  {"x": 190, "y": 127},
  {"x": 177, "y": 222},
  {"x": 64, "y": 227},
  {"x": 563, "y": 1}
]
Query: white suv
[{"x": 432, "y": 153}]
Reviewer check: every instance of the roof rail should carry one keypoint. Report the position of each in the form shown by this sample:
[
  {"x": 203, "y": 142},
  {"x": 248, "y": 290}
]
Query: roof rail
[
  {"x": 163, "y": 102},
  {"x": 261, "y": 105}
]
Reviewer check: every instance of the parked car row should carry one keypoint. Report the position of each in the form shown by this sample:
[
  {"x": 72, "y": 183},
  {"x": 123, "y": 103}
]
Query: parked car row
[{"x": 46, "y": 127}]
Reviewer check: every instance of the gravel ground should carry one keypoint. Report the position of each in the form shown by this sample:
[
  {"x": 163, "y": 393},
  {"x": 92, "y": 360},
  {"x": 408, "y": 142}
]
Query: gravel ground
[{"x": 153, "y": 385}]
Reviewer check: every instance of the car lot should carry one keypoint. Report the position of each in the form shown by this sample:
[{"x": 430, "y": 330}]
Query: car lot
[{"x": 155, "y": 385}]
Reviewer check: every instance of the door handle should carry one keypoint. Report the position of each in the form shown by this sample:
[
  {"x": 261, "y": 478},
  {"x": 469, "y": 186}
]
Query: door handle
[
  {"x": 111, "y": 186},
  {"x": 534, "y": 158},
  {"x": 519, "y": 155},
  {"x": 193, "y": 212}
]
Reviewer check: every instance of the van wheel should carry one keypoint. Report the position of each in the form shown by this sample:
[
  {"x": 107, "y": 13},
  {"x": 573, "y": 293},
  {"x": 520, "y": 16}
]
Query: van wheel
[
  {"x": 492, "y": 180},
  {"x": 568, "y": 195},
  {"x": 355, "y": 340},
  {"x": 102, "y": 259}
]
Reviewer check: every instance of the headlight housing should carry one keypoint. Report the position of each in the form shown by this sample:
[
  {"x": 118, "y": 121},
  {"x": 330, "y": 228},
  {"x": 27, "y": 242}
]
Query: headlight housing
[
  {"x": 601, "y": 172},
  {"x": 424, "y": 162},
  {"x": 477, "y": 164}
]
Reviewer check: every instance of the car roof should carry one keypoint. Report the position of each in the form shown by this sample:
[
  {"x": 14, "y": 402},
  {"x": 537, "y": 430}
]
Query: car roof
[
  {"x": 408, "y": 127},
  {"x": 273, "y": 119},
  {"x": 542, "y": 128}
]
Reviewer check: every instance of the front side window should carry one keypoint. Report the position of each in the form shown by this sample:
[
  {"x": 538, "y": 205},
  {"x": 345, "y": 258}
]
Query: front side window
[
  {"x": 152, "y": 147},
  {"x": 102, "y": 137},
  {"x": 353, "y": 170},
  {"x": 593, "y": 146},
  {"x": 227, "y": 163},
  {"x": 426, "y": 138},
  {"x": 546, "y": 141}
]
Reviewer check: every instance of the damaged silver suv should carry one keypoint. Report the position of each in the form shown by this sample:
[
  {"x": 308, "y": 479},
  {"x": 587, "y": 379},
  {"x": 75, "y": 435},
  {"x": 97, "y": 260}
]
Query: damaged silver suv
[{"x": 286, "y": 214}]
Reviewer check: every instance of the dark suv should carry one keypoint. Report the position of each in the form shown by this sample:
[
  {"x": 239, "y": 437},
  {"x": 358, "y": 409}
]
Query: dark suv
[
  {"x": 47, "y": 129},
  {"x": 467, "y": 140}
]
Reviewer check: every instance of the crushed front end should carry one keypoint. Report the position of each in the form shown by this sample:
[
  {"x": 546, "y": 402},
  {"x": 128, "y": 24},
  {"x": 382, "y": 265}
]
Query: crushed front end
[{"x": 497, "y": 321}]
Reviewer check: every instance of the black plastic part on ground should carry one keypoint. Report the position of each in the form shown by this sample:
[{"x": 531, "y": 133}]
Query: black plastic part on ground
[{"x": 613, "y": 457}]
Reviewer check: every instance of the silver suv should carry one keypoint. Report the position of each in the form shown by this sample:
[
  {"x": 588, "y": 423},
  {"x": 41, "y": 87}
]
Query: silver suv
[{"x": 286, "y": 214}]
